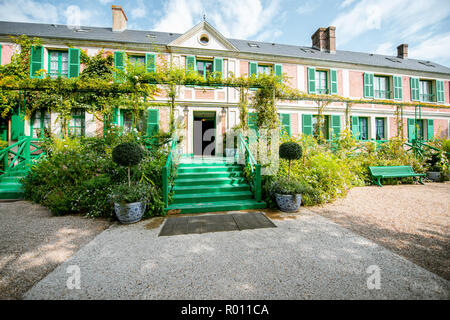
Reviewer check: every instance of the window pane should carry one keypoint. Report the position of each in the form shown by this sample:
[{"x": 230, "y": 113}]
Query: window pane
[
  {"x": 363, "y": 128},
  {"x": 380, "y": 129}
]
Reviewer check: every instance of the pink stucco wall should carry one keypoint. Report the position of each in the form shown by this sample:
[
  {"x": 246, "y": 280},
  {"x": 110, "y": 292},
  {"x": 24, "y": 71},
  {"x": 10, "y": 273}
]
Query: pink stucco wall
[
  {"x": 356, "y": 83},
  {"x": 406, "y": 89},
  {"x": 290, "y": 70},
  {"x": 441, "y": 128},
  {"x": 7, "y": 51},
  {"x": 294, "y": 124}
]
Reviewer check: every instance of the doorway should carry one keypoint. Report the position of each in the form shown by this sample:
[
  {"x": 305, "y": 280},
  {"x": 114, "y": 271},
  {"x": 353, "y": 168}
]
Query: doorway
[{"x": 204, "y": 133}]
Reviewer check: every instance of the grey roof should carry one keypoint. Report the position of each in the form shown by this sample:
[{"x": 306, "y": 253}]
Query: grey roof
[{"x": 164, "y": 38}]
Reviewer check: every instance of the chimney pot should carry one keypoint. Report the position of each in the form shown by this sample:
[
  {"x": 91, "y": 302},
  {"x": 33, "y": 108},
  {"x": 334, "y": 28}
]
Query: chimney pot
[
  {"x": 119, "y": 19},
  {"x": 324, "y": 39},
  {"x": 402, "y": 51}
]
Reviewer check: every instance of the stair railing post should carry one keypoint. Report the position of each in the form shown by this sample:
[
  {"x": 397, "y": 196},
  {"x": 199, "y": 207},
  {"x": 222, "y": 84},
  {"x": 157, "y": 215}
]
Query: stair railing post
[
  {"x": 27, "y": 150},
  {"x": 165, "y": 187},
  {"x": 258, "y": 182}
]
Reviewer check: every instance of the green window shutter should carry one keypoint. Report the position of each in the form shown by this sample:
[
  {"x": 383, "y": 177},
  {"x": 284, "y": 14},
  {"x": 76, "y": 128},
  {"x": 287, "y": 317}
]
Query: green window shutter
[
  {"x": 355, "y": 126},
  {"x": 411, "y": 131},
  {"x": 285, "y": 119},
  {"x": 74, "y": 62},
  {"x": 252, "y": 69},
  {"x": 119, "y": 63},
  {"x": 152, "y": 122},
  {"x": 115, "y": 116},
  {"x": 17, "y": 123},
  {"x": 150, "y": 62},
  {"x": 307, "y": 126},
  {"x": 311, "y": 80},
  {"x": 278, "y": 70},
  {"x": 398, "y": 88},
  {"x": 218, "y": 66},
  {"x": 191, "y": 64},
  {"x": 336, "y": 125},
  {"x": 414, "y": 82},
  {"x": 368, "y": 85},
  {"x": 36, "y": 61},
  {"x": 430, "y": 129},
  {"x": 333, "y": 80},
  {"x": 440, "y": 91}
]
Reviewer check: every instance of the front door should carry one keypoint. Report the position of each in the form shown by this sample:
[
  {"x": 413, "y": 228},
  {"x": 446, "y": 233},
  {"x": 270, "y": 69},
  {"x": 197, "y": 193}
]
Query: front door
[{"x": 204, "y": 133}]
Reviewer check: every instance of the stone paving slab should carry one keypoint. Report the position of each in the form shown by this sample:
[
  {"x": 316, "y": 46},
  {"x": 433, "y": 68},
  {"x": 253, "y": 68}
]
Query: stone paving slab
[
  {"x": 215, "y": 223},
  {"x": 309, "y": 257}
]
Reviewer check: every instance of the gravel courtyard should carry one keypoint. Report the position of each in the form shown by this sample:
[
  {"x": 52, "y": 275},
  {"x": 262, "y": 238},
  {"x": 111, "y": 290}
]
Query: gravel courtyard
[
  {"x": 307, "y": 257},
  {"x": 33, "y": 243},
  {"x": 411, "y": 220}
]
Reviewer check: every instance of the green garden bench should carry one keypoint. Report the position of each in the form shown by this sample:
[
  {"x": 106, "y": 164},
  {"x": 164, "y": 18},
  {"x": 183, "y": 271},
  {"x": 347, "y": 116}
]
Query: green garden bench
[{"x": 393, "y": 172}]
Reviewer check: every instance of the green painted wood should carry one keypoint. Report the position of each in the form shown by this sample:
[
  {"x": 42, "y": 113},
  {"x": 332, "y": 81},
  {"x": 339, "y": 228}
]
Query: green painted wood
[
  {"x": 307, "y": 125},
  {"x": 440, "y": 95},
  {"x": 430, "y": 129},
  {"x": 74, "y": 62},
  {"x": 285, "y": 119},
  {"x": 223, "y": 188},
  {"x": 411, "y": 130},
  {"x": 205, "y": 175},
  {"x": 368, "y": 85},
  {"x": 355, "y": 126},
  {"x": 150, "y": 62},
  {"x": 415, "y": 92},
  {"x": 191, "y": 64},
  {"x": 119, "y": 63},
  {"x": 381, "y": 172},
  {"x": 333, "y": 81},
  {"x": 36, "y": 61},
  {"x": 336, "y": 125},
  {"x": 203, "y": 197},
  {"x": 218, "y": 66},
  {"x": 253, "y": 69},
  {"x": 398, "y": 88},
  {"x": 217, "y": 206},
  {"x": 311, "y": 80}
]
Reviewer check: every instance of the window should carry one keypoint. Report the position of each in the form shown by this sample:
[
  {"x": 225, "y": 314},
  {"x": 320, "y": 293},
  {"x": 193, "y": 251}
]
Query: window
[
  {"x": 420, "y": 129},
  {"x": 324, "y": 128},
  {"x": 137, "y": 59},
  {"x": 380, "y": 130},
  {"x": 264, "y": 69},
  {"x": 363, "y": 128},
  {"x": 381, "y": 87},
  {"x": 58, "y": 64},
  {"x": 76, "y": 123},
  {"x": 204, "y": 67},
  {"x": 321, "y": 82},
  {"x": 40, "y": 122},
  {"x": 128, "y": 121},
  {"x": 425, "y": 91}
]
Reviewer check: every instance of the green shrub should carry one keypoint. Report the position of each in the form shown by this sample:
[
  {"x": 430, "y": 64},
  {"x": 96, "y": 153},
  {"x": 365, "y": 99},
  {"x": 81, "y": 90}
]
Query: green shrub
[
  {"x": 285, "y": 186},
  {"x": 290, "y": 151},
  {"x": 127, "y": 154},
  {"x": 136, "y": 192}
]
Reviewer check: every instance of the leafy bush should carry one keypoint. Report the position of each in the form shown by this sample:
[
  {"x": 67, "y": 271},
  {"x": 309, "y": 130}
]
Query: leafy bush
[
  {"x": 292, "y": 187},
  {"x": 290, "y": 151},
  {"x": 136, "y": 192},
  {"x": 127, "y": 154}
]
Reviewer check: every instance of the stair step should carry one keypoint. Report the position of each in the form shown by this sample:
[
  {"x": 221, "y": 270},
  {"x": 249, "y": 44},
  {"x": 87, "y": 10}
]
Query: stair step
[
  {"x": 209, "y": 181},
  {"x": 10, "y": 179},
  {"x": 199, "y": 169},
  {"x": 209, "y": 164},
  {"x": 213, "y": 175},
  {"x": 201, "y": 197},
  {"x": 217, "y": 206},
  {"x": 10, "y": 194},
  {"x": 10, "y": 185},
  {"x": 210, "y": 188}
]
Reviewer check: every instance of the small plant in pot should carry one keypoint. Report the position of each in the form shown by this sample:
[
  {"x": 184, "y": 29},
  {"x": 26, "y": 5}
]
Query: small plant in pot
[
  {"x": 288, "y": 193},
  {"x": 129, "y": 198},
  {"x": 436, "y": 164}
]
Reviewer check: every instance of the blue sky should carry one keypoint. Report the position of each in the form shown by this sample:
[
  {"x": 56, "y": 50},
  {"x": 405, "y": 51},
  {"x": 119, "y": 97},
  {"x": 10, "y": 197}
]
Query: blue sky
[{"x": 361, "y": 25}]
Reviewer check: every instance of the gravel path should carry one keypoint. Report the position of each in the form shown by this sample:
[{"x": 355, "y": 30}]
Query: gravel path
[
  {"x": 411, "y": 220},
  {"x": 306, "y": 257},
  {"x": 33, "y": 243}
]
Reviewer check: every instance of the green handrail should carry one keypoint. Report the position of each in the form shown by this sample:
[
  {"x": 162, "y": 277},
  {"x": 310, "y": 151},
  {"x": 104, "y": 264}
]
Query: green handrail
[
  {"x": 22, "y": 157},
  {"x": 255, "y": 167},
  {"x": 418, "y": 147},
  {"x": 167, "y": 170}
]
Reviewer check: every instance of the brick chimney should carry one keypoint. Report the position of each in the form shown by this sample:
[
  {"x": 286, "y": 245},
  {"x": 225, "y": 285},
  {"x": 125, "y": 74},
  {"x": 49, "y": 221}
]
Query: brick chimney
[
  {"x": 324, "y": 39},
  {"x": 402, "y": 51},
  {"x": 119, "y": 19}
]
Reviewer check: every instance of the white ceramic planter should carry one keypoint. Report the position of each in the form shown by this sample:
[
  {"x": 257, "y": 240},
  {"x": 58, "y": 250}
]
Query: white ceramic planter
[
  {"x": 288, "y": 202},
  {"x": 129, "y": 212}
]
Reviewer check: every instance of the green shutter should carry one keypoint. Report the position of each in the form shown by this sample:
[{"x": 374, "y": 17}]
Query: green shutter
[
  {"x": 311, "y": 80},
  {"x": 430, "y": 129},
  {"x": 218, "y": 66},
  {"x": 415, "y": 96},
  {"x": 440, "y": 91},
  {"x": 307, "y": 126},
  {"x": 17, "y": 123},
  {"x": 74, "y": 62},
  {"x": 118, "y": 63},
  {"x": 191, "y": 64},
  {"x": 368, "y": 85},
  {"x": 285, "y": 119},
  {"x": 355, "y": 126},
  {"x": 398, "y": 88},
  {"x": 253, "y": 69},
  {"x": 411, "y": 130},
  {"x": 336, "y": 125},
  {"x": 150, "y": 62},
  {"x": 36, "y": 61},
  {"x": 334, "y": 87},
  {"x": 3, "y": 129},
  {"x": 115, "y": 116},
  {"x": 278, "y": 70},
  {"x": 152, "y": 122},
  {"x": 252, "y": 119}
]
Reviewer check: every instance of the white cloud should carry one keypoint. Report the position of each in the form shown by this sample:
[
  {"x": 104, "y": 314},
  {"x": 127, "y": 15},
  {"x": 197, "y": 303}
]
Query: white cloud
[
  {"x": 28, "y": 11},
  {"x": 140, "y": 11},
  {"x": 346, "y": 3},
  {"x": 106, "y": 1},
  {"x": 231, "y": 17},
  {"x": 436, "y": 48},
  {"x": 386, "y": 48},
  {"x": 401, "y": 20},
  {"x": 307, "y": 7}
]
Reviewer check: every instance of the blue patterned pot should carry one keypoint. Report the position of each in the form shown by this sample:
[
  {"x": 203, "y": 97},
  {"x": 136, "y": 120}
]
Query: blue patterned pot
[
  {"x": 288, "y": 202},
  {"x": 129, "y": 212}
]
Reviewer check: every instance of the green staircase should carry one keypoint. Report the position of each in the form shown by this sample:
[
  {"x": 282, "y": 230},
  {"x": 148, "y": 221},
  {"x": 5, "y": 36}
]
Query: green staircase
[
  {"x": 10, "y": 186},
  {"x": 211, "y": 186}
]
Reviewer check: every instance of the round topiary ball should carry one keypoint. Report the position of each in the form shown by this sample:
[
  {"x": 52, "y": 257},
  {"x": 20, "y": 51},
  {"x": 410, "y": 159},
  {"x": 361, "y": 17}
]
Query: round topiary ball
[
  {"x": 127, "y": 154},
  {"x": 290, "y": 151}
]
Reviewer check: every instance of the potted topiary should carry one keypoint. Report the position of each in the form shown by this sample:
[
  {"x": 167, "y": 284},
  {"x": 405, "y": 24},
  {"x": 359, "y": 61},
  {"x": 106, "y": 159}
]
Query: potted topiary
[
  {"x": 433, "y": 165},
  {"x": 129, "y": 199},
  {"x": 288, "y": 193}
]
